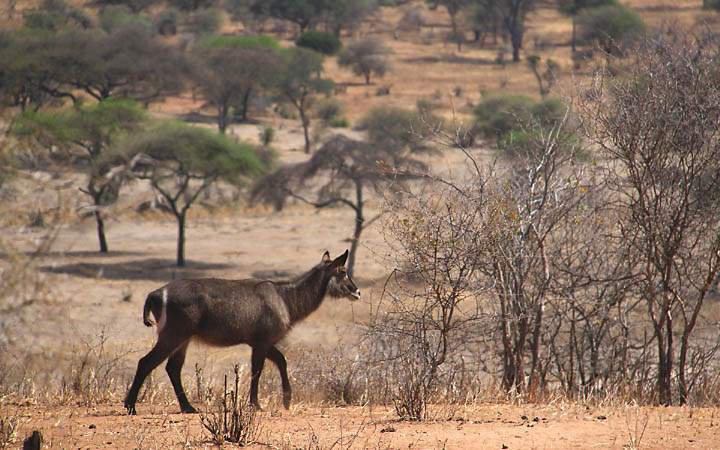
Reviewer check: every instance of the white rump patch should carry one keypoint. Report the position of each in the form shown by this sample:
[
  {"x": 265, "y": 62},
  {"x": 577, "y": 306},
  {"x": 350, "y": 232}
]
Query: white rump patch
[{"x": 163, "y": 312}]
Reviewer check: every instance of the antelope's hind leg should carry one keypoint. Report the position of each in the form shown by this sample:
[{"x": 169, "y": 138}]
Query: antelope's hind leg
[
  {"x": 257, "y": 363},
  {"x": 174, "y": 370},
  {"x": 277, "y": 357},
  {"x": 165, "y": 346}
]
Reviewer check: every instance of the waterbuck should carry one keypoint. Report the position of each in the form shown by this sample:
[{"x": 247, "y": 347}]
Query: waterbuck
[{"x": 230, "y": 312}]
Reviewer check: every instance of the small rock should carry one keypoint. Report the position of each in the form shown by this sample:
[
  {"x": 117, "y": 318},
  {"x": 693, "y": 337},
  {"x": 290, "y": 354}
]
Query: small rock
[
  {"x": 504, "y": 446},
  {"x": 92, "y": 426},
  {"x": 601, "y": 417},
  {"x": 388, "y": 429},
  {"x": 536, "y": 419},
  {"x": 524, "y": 417}
]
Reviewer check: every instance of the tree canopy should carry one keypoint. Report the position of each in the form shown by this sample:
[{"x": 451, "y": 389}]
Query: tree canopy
[
  {"x": 299, "y": 80},
  {"x": 182, "y": 161},
  {"x": 86, "y": 135}
]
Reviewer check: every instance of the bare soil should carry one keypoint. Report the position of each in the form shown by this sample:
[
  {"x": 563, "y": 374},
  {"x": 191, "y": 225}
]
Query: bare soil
[{"x": 487, "y": 426}]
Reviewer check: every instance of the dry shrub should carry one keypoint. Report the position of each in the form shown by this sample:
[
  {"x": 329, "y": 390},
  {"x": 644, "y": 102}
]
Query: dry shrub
[
  {"x": 235, "y": 419},
  {"x": 94, "y": 374}
]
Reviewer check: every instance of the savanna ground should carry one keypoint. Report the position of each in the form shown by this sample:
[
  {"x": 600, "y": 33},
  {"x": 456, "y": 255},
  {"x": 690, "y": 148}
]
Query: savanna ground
[{"x": 88, "y": 339}]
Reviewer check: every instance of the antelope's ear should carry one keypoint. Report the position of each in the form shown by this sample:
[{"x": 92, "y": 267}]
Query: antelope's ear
[
  {"x": 340, "y": 260},
  {"x": 326, "y": 257}
]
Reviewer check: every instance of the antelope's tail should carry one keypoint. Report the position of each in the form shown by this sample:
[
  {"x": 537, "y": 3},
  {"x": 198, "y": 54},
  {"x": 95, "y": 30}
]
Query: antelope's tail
[{"x": 151, "y": 299}]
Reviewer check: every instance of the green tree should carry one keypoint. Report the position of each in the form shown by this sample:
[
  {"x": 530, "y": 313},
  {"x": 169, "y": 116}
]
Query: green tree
[
  {"x": 365, "y": 57},
  {"x": 182, "y": 161},
  {"x": 126, "y": 62},
  {"x": 345, "y": 169},
  {"x": 192, "y": 5},
  {"x": 320, "y": 41},
  {"x": 453, "y": 7},
  {"x": 610, "y": 27},
  {"x": 54, "y": 15},
  {"x": 28, "y": 75},
  {"x": 299, "y": 81},
  {"x": 341, "y": 14},
  {"x": 232, "y": 70},
  {"x": 86, "y": 134},
  {"x": 303, "y": 13},
  {"x": 136, "y": 6},
  {"x": 573, "y": 7},
  {"x": 512, "y": 14}
]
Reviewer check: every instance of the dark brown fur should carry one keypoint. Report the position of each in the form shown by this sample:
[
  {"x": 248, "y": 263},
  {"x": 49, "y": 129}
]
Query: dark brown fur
[{"x": 230, "y": 312}]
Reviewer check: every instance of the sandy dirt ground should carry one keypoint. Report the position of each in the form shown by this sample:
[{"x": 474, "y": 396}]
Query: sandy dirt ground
[{"x": 483, "y": 426}]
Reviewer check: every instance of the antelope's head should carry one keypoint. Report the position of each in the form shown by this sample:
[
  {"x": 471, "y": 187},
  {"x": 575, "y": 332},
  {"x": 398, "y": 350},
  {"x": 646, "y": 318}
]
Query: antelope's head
[{"x": 341, "y": 285}]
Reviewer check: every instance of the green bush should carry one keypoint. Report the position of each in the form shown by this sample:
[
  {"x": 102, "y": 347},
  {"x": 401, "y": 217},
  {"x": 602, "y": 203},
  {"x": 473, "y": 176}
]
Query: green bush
[
  {"x": 514, "y": 120},
  {"x": 114, "y": 17},
  {"x": 498, "y": 114},
  {"x": 325, "y": 43},
  {"x": 54, "y": 15},
  {"x": 395, "y": 127},
  {"x": 529, "y": 142},
  {"x": 711, "y": 4},
  {"x": 573, "y": 7},
  {"x": 328, "y": 109},
  {"x": 339, "y": 122},
  {"x": 204, "y": 21},
  {"x": 610, "y": 27},
  {"x": 257, "y": 42},
  {"x": 166, "y": 22}
]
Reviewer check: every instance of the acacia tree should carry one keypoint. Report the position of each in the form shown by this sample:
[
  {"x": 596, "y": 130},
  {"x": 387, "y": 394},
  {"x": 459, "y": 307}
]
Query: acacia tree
[
  {"x": 231, "y": 72},
  {"x": 453, "y": 8},
  {"x": 346, "y": 168},
  {"x": 304, "y": 13},
  {"x": 341, "y": 14},
  {"x": 299, "y": 80},
  {"x": 30, "y": 76},
  {"x": 658, "y": 126},
  {"x": 126, "y": 62},
  {"x": 365, "y": 57},
  {"x": 182, "y": 161},
  {"x": 573, "y": 7},
  {"x": 512, "y": 13},
  {"x": 87, "y": 134}
]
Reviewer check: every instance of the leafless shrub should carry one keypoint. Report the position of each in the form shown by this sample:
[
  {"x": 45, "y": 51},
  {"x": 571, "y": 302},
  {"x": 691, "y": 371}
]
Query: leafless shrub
[
  {"x": 431, "y": 304},
  {"x": 95, "y": 373},
  {"x": 235, "y": 420},
  {"x": 657, "y": 124}
]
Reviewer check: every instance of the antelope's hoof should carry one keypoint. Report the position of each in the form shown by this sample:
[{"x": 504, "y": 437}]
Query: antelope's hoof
[
  {"x": 188, "y": 409},
  {"x": 286, "y": 401},
  {"x": 130, "y": 409}
]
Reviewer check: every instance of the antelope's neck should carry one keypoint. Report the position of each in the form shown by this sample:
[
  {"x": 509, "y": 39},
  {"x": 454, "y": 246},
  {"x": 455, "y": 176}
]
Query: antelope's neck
[{"x": 304, "y": 295}]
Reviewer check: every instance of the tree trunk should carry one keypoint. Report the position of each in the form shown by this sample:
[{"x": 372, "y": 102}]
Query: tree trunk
[
  {"x": 665, "y": 363},
  {"x": 100, "y": 228},
  {"x": 367, "y": 78},
  {"x": 573, "y": 39},
  {"x": 359, "y": 219},
  {"x": 181, "y": 239},
  {"x": 306, "y": 128},
  {"x": 222, "y": 118},
  {"x": 534, "y": 381},
  {"x": 516, "y": 39},
  {"x": 245, "y": 104}
]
